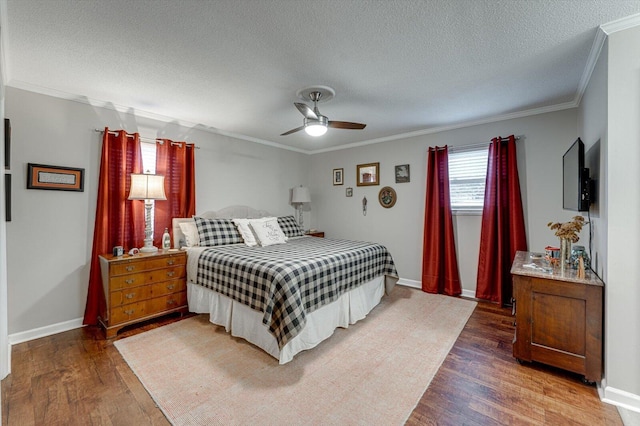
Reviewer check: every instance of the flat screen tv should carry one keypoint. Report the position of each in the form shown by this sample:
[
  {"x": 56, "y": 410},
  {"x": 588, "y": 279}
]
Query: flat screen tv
[{"x": 575, "y": 179}]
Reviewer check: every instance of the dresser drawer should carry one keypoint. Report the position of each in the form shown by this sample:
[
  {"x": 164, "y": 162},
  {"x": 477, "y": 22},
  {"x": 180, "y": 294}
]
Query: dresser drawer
[
  {"x": 130, "y": 295},
  {"x": 168, "y": 287},
  {"x": 126, "y": 313},
  {"x": 133, "y": 265},
  {"x": 165, "y": 274},
  {"x": 165, "y": 303},
  {"x": 148, "y": 277}
]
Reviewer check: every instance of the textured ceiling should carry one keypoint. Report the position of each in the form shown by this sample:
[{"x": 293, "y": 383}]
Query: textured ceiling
[{"x": 234, "y": 66}]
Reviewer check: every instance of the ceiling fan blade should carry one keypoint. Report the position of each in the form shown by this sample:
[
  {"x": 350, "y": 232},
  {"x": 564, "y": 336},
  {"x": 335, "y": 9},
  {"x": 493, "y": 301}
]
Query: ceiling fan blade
[
  {"x": 346, "y": 125},
  {"x": 297, "y": 129},
  {"x": 306, "y": 110}
]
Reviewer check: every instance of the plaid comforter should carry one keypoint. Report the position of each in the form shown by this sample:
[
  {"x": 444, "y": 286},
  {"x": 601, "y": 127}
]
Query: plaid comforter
[{"x": 288, "y": 281}]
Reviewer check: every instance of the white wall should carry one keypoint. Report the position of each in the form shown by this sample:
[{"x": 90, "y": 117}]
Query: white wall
[
  {"x": 49, "y": 239},
  {"x": 544, "y": 138},
  {"x": 622, "y": 297}
]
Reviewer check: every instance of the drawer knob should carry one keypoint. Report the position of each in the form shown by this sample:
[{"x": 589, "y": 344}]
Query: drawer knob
[
  {"x": 170, "y": 287},
  {"x": 130, "y": 268},
  {"x": 170, "y": 274},
  {"x": 130, "y": 311},
  {"x": 130, "y": 281},
  {"x": 170, "y": 262},
  {"x": 130, "y": 295},
  {"x": 171, "y": 302}
]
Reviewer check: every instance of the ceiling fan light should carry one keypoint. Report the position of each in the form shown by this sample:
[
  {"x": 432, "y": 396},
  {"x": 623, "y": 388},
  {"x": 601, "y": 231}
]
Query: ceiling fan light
[{"x": 316, "y": 129}]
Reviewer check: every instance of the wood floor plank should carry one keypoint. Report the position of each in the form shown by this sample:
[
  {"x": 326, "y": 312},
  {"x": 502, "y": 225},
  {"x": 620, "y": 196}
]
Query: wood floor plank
[{"x": 79, "y": 378}]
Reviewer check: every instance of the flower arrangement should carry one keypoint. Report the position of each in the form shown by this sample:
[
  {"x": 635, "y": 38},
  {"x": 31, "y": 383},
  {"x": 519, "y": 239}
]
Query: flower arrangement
[{"x": 568, "y": 230}]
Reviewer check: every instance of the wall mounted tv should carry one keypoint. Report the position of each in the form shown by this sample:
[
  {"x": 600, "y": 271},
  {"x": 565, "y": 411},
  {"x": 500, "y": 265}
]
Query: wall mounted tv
[{"x": 575, "y": 179}]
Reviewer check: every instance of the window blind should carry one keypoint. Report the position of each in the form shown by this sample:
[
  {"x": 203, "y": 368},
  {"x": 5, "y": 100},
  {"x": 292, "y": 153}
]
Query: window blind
[{"x": 467, "y": 176}]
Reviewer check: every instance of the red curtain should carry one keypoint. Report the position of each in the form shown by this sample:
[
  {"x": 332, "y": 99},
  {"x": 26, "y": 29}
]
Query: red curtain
[
  {"x": 502, "y": 231},
  {"x": 176, "y": 162},
  {"x": 439, "y": 263},
  {"x": 118, "y": 221}
]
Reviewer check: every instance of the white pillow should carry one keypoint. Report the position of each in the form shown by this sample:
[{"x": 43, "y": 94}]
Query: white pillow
[
  {"x": 190, "y": 231},
  {"x": 246, "y": 231},
  {"x": 268, "y": 231}
]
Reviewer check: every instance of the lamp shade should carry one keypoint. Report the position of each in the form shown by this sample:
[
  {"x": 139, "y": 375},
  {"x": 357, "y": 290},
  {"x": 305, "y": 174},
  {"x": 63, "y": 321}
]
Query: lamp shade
[
  {"x": 147, "y": 187},
  {"x": 300, "y": 195}
]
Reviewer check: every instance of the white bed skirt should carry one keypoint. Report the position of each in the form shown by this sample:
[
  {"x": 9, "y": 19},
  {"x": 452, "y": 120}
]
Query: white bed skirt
[{"x": 242, "y": 321}]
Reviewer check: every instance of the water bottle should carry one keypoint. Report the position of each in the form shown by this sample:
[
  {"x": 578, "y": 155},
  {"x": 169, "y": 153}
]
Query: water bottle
[{"x": 166, "y": 239}]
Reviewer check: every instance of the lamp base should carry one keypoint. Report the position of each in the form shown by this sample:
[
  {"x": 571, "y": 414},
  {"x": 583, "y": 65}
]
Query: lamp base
[{"x": 148, "y": 246}]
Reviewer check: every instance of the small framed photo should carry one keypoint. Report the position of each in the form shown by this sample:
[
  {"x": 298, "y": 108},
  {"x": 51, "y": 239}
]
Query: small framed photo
[
  {"x": 338, "y": 176},
  {"x": 387, "y": 197},
  {"x": 349, "y": 192},
  {"x": 402, "y": 174},
  {"x": 40, "y": 176},
  {"x": 368, "y": 174}
]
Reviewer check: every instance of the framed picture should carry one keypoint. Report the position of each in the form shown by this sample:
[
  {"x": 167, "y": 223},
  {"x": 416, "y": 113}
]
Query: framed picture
[
  {"x": 338, "y": 176},
  {"x": 368, "y": 174},
  {"x": 402, "y": 174},
  {"x": 40, "y": 176},
  {"x": 7, "y": 197},
  {"x": 7, "y": 144},
  {"x": 349, "y": 192},
  {"x": 387, "y": 197}
]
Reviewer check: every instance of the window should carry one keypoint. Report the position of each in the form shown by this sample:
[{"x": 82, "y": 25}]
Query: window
[{"x": 467, "y": 175}]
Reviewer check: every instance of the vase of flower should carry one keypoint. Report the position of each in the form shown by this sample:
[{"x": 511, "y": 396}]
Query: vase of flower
[
  {"x": 568, "y": 234},
  {"x": 565, "y": 252}
]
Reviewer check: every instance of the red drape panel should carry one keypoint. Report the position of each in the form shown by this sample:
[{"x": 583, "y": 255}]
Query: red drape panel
[
  {"x": 176, "y": 162},
  {"x": 503, "y": 230},
  {"x": 118, "y": 221},
  {"x": 439, "y": 262}
]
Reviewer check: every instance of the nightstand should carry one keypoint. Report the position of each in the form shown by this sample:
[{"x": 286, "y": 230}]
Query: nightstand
[
  {"x": 319, "y": 234},
  {"x": 140, "y": 287}
]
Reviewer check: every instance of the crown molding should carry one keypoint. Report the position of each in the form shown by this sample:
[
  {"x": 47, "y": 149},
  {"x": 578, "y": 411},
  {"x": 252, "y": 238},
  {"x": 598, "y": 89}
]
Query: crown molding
[
  {"x": 433, "y": 130},
  {"x": 17, "y": 84},
  {"x": 592, "y": 60},
  {"x": 621, "y": 24}
]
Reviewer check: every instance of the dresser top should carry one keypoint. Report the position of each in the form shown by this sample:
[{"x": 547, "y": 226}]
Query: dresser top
[
  {"x": 541, "y": 269},
  {"x": 126, "y": 257}
]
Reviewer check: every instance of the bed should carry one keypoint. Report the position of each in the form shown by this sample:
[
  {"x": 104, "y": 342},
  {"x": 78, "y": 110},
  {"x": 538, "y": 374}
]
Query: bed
[{"x": 285, "y": 297}]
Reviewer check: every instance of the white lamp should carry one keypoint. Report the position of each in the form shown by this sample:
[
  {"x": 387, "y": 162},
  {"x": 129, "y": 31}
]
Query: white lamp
[
  {"x": 147, "y": 187},
  {"x": 299, "y": 197}
]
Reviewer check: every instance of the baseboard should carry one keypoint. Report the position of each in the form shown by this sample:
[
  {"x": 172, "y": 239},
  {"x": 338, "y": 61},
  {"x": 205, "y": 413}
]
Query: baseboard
[
  {"x": 48, "y": 330},
  {"x": 417, "y": 284},
  {"x": 618, "y": 397},
  {"x": 409, "y": 283}
]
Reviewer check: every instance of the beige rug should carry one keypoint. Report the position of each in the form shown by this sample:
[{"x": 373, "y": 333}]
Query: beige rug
[{"x": 374, "y": 372}]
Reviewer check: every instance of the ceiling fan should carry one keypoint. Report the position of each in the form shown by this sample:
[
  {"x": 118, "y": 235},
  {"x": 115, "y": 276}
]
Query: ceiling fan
[{"x": 314, "y": 123}]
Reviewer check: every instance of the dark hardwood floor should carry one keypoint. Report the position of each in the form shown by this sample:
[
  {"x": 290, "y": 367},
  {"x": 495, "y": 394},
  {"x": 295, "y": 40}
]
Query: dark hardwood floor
[{"x": 78, "y": 378}]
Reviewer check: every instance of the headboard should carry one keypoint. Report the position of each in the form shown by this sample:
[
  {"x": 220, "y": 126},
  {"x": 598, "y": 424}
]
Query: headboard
[{"x": 232, "y": 212}]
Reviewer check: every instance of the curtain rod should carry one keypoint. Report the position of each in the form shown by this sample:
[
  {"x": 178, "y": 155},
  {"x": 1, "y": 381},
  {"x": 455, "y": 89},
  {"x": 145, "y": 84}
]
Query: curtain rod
[
  {"x": 142, "y": 138},
  {"x": 477, "y": 145}
]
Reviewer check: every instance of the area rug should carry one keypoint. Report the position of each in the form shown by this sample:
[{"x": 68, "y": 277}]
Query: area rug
[{"x": 374, "y": 372}]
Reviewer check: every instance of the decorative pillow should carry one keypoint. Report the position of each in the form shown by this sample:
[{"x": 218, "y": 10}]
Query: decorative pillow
[
  {"x": 217, "y": 232},
  {"x": 268, "y": 231},
  {"x": 290, "y": 227},
  {"x": 246, "y": 231},
  {"x": 190, "y": 232}
]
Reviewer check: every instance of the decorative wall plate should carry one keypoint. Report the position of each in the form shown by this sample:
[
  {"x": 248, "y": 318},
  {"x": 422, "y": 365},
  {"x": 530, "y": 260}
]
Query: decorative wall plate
[{"x": 387, "y": 197}]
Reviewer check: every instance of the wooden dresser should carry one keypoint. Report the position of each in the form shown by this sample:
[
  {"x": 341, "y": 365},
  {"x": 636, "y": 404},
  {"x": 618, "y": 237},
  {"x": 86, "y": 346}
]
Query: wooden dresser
[
  {"x": 558, "y": 317},
  {"x": 140, "y": 287}
]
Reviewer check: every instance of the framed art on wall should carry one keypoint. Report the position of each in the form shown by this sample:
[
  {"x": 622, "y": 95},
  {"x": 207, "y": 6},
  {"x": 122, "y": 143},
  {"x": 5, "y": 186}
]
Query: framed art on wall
[
  {"x": 349, "y": 192},
  {"x": 387, "y": 197},
  {"x": 7, "y": 197},
  {"x": 7, "y": 144},
  {"x": 40, "y": 176},
  {"x": 338, "y": 176},
  {"x": 402, "y": 174},
  {"x": 368, "y": 174}
]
